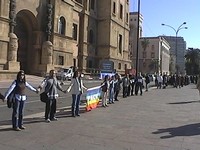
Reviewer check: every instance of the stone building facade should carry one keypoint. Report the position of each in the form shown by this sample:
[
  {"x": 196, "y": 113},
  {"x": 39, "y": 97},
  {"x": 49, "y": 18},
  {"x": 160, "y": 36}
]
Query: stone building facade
[
  {"x": 40, "y": 35},
  {"x": 178, "y": 53},
  {"x": 133, "y": 35},
  {"x": 155, "y": 57}
]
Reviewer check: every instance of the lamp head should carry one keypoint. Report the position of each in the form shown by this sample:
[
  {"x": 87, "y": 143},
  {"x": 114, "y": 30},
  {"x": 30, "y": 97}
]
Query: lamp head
[
  {"x": 184, "y": 22},
  {"x": 162, "y": 24}
]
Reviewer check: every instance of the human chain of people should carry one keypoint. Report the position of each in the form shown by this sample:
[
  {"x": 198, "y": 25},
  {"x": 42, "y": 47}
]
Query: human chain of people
[{"x": 108, "y": 92}]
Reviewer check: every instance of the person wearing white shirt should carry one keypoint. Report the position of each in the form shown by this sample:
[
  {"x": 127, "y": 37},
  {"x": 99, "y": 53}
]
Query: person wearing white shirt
[
  {"x": 18, "y": 87},
  {"x": 76, "y": 87}
]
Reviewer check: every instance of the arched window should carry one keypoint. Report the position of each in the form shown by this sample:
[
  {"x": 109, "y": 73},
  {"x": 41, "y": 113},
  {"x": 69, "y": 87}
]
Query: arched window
[
  {"x": 91, "y": 37},
  {"x": 61, "y": 25}
]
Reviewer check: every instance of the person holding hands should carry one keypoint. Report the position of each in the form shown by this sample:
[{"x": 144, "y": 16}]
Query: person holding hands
[
  {"x": 76, "y": 87},
  {"x": 51, "y": 85},
  {"x": 18, "y": 86}
]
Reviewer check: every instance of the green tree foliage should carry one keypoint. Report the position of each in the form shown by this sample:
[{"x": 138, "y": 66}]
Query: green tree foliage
[
  {"x": 192, "y": 64},
  {"x": 145, "y": 44}
]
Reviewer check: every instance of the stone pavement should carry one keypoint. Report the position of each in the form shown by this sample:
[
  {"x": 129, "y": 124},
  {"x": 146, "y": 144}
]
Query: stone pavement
[{"x": 161, "y": 119}]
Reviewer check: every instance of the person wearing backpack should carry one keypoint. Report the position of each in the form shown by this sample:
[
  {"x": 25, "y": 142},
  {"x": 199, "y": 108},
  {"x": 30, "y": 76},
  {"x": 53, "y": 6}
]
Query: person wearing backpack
[
  {"x": 19, "y": 87},
  {"x": 51, "y": 86}
]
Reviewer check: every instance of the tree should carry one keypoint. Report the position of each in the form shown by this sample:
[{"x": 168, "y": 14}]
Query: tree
[
  {"x": 145, "y": 43},
  {"x": 154, "y": 65},
  {"x": 192, "y": 64}
]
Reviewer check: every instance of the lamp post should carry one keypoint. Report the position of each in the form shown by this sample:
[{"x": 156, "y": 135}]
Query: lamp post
[
  {"x": 138, "y": 32},
  {"x": 176, "y": 32}
]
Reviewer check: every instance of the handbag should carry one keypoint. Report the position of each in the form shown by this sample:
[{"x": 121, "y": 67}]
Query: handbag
[
  {"x": 43, "y": 97},
  {"x": 10, "y": 100},
  {"x": 11, "y": 97}
]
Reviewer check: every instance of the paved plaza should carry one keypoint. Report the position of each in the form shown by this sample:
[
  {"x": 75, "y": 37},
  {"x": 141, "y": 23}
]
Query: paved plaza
[{"x": 161, "y": 119}]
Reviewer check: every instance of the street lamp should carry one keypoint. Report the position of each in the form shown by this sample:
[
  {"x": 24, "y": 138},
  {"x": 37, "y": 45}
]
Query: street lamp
[
  {"x": 176, "y": 32},
  {"x": 138, "y": 32}
]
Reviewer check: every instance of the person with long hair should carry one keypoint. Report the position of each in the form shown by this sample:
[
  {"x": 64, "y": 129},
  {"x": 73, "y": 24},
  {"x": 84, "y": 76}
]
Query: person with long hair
[
  {"x": 19, "y": 85},
  {"x": 104, "y": 89},
  {"x": 76, "y": 87},
  {"x": 51, "y": 85}
]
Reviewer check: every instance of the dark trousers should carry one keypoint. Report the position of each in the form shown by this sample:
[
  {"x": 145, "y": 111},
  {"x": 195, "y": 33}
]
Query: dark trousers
[
  {"x": 17, "y": 115},
  {"x": 75, "y": 104},
  {"x": 116, "y": 95},
  {"x": 132, "y": 88},
  {"x": 138, "y": 87},
  {"x": 50, "y": 110},
  {"x": 125, "y": 89}
]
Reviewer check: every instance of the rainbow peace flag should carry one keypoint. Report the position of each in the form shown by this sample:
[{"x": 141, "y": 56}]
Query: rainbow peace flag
[{"x": 93, "y": 97}]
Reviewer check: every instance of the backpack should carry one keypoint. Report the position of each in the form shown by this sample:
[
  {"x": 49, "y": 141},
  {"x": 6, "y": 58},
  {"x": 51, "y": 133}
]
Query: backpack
[{"x": 11, "y": 97}]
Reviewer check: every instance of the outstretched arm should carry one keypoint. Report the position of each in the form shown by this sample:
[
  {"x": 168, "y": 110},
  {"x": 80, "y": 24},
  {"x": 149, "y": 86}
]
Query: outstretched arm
[
  {"x": 10, "y": 89},
  {"x": 30, "y": 87}
]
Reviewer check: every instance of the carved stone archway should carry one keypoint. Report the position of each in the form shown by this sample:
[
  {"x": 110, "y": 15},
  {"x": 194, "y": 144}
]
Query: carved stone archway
[{"x": 25, "y": 29}]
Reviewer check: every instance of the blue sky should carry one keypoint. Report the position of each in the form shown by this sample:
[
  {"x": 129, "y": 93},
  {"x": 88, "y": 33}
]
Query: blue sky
[{"x": 173, "y": 13}]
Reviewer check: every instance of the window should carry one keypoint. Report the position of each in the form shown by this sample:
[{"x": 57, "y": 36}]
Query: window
[
  {"x": 125, "y": 66},
  {"x": 61, "y": 25},
  {"x": 127, "y": 17},
  {"x": 114, "y": 7},
  {"x": 60, "y": 60},
  {"x": 144, "y": 54},
  {"x": 74, "y": 31},
  {"x": 152, "y": 55},
  {"x": 92, "y": 4},
  {"x": 91, "y": 37},
  {"x": 120, "y": 43},
  {"x": 119, "y": 66},
  {"x": 152, "y": 47},
  {"x": 121, "y": 11},
  {"x": 89, "y": 63}
]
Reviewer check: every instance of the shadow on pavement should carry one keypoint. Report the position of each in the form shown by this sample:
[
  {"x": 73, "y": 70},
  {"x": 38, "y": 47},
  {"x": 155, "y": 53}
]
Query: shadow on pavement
[
  {"x": 187, "y": 102},
  {"x": 66, "y": 112},
  {"x": 186, "y": 130}
]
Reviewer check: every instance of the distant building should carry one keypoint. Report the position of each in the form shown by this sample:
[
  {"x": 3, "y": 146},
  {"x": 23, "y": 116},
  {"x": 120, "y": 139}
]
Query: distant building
[
  {"x": 155, "y": 56},
  {"x": 133, "y": 35},
  {"x": 179, "y": 55}
]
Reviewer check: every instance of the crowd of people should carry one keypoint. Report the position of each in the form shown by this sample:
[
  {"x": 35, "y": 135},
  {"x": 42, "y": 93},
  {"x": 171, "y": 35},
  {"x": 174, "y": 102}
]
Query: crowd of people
[
  {"x": 134, "y": 85},
  {"x": 111, "y": 86},
  {"x": 51, "y": 86}
]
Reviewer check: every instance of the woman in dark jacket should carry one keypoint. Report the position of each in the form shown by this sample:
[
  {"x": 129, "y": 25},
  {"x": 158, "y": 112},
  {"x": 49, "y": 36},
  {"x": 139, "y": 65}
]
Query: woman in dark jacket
[{"x": 19, "y": 86}]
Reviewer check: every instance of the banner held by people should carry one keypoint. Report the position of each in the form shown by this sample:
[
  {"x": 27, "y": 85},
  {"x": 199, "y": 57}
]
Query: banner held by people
[{"x": 93, "y": 97}]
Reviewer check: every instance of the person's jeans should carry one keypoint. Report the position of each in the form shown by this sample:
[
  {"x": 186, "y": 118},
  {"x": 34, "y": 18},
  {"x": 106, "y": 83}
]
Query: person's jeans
[
  {"x": 50, "y": 109},
  {"x": 75, "y": 104},
  {"x": 111, "y": 95},
  {"x": 17, "y": 115},
  {"x": 116, "y": 93}
]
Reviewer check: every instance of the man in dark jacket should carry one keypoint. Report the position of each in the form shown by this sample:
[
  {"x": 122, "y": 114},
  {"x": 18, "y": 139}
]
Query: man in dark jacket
[{"x": 139, "y": 84}]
